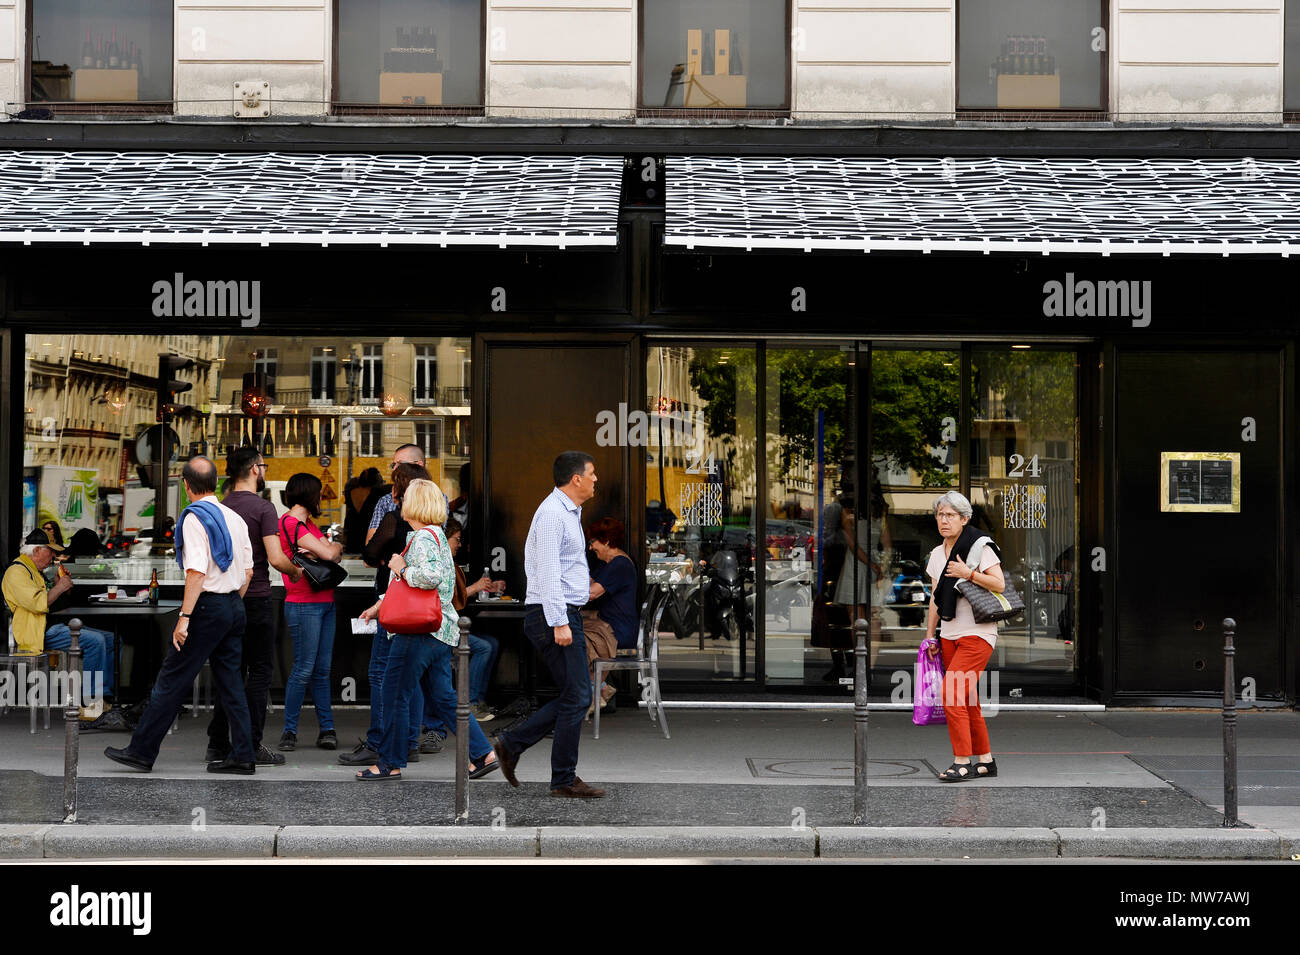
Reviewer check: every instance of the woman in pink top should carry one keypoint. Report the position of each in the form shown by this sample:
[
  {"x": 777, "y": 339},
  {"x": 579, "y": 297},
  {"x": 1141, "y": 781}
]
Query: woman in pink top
[{"x": 309, "y": 613}]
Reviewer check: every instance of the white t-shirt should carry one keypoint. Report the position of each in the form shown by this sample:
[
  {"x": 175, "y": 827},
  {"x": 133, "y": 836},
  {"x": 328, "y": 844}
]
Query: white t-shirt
[
  {"x": 197, "y": 553},
  {"x": 963, "y": 622}
]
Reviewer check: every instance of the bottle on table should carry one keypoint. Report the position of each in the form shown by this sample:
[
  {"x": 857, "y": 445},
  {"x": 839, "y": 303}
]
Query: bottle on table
[
  {"x": 487, "y": 575},
  {"x": 153, "y": 588}
]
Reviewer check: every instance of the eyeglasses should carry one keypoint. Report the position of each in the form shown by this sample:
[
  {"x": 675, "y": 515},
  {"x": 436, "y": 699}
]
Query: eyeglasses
[
  {"x": 260, "y": 464},
  {"x": 947, "y": 516}
]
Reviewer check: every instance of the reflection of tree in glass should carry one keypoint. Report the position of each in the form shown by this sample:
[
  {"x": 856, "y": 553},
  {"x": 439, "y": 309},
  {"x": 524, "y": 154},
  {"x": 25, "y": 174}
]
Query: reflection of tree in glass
[
  {"x": 1036, "y": 388},
  {"x": 911, "y": 393}
]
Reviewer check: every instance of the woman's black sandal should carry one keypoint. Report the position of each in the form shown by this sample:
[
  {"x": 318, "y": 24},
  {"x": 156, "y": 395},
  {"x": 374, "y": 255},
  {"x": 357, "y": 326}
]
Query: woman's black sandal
[
  {"x": 954, "y": 774},
  {"x": 990, "y": 769}
]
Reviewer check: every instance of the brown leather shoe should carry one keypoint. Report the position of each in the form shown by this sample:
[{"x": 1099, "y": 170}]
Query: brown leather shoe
[
  {"x": 578, "y": 790},
  {"x": 507, "y": 760}
]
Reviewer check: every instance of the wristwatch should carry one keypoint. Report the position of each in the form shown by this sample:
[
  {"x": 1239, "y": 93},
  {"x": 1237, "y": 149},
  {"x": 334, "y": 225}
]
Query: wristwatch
[
  {"x": 401, "y": 574},
  {"x": 186, "y": 615}
]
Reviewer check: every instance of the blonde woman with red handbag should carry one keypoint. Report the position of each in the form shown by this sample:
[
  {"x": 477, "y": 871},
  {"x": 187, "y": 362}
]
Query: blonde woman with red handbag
[{"x": 423, "y": 587}]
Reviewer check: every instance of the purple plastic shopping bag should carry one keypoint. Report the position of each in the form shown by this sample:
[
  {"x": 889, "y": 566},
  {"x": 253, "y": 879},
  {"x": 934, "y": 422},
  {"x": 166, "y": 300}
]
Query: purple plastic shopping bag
[{"x": 927, "y": 699}]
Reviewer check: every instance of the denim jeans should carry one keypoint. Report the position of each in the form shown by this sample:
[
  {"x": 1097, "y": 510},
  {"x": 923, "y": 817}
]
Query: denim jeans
[
  {"x": 564, "y": 714},
  {"x": 216, "y": 634},
  {"x": 411, "y": 658},
  {"x": 379, "y": 649},
  {"x": 97, "y": 660},
  {"x": 311, "y": 626},
  {"x": 482, "y": 658},
  {"x": 259, "y": 644}
]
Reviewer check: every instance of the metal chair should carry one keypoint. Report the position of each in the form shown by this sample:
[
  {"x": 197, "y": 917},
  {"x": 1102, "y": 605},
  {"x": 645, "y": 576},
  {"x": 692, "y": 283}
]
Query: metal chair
[{"x": 644, "y": 659}]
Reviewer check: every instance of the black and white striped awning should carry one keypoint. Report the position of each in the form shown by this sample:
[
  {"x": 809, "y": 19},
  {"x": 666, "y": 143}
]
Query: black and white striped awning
[
  {"x": 1024, "y": 206},
  {"x": 315, "y": 199}
]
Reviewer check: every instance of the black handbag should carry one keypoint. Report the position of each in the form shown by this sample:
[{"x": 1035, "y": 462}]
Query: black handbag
[
  {"x": 985, "y": 605},
  {"x": 319, "y": 574}
]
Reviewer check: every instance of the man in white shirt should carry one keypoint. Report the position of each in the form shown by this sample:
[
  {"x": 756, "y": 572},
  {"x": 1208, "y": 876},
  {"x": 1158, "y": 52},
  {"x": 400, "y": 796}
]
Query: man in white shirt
[{"x": 213, "y": 547}]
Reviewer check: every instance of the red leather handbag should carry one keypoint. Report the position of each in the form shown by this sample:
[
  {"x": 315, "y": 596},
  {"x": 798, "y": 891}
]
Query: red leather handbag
[{"x": 410, "y": 610}]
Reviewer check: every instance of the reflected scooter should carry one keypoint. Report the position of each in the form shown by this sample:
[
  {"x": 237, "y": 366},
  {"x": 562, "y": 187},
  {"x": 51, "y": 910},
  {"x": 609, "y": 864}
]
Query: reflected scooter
[{"x": 722, "y": 596}]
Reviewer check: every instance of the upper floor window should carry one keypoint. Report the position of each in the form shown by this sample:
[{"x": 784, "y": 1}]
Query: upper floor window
[
  {"x": 424, "y": 390},
  {"x": 1032, "y": 54},
  {"x": 324, "y": 374},
  {"x": 100, "y": 51},
  {"x": 715, "y": 54},
  {"x": 372, "y": 374},
  {"x": 409, "y": 54}
]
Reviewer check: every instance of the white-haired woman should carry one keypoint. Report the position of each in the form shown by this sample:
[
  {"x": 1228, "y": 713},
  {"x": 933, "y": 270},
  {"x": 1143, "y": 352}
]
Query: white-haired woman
[{"x": 966, "y": 645}]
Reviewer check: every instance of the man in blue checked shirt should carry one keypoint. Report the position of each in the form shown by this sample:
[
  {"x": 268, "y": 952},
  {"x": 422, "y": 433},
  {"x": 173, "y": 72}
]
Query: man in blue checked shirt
[{"x": 555, "y": 560}]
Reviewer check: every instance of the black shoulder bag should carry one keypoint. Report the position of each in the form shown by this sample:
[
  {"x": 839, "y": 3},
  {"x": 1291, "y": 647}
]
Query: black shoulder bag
[{"x": 319, "y": 574}]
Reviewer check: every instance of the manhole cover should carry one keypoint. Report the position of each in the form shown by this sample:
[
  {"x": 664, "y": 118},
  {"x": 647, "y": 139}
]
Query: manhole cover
[{"x": 771, "y": 768}]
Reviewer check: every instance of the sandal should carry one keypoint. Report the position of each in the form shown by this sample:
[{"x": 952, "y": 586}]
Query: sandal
[
  {"x": 366, "y": 775},
  {"x": 484, "y": 768},
  {"x": 954, "y": 774},
  {"x": 989, "y": 769}
]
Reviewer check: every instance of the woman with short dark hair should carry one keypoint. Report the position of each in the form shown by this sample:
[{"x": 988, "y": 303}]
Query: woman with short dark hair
[
  {"x": 309, "y": 614},
  {"x": 609, "y": 621}
]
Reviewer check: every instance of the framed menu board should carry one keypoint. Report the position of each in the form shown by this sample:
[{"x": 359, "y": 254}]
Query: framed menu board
[{"x": 1200, "y": 481}]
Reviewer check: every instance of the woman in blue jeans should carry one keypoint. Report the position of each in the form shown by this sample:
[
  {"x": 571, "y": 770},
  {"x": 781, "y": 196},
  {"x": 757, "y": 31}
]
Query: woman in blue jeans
[
  {"x": 427, "y": 565},
  {"x": 309, "y": 614}
]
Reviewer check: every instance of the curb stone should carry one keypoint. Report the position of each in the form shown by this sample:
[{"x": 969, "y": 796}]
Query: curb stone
[
  {"x": 908, "y": 842},
  {"x": 1290, "y": 842},
  {"x": 658, "y": 842},
  {"x": 406, "y": 842},
  {"x": 23, "y": 842},
  {"x": 181, "y": 842},
  {"x": 1171, "y": 843}
]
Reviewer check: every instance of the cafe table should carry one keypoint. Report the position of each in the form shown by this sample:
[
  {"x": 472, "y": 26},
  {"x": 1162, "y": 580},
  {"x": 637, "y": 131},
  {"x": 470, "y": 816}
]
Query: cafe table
[{"x": 116, "y": 611}]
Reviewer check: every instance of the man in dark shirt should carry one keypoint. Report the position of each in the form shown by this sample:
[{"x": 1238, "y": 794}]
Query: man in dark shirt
[{"x": 247, "y": 471}]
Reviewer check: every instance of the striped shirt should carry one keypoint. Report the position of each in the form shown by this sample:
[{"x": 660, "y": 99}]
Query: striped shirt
[{"x": 555, "y": 559}]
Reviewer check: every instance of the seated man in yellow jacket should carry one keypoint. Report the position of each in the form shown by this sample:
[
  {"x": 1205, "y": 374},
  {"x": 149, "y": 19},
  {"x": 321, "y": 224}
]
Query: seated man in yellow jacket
[{"x": 28, "y": 599}]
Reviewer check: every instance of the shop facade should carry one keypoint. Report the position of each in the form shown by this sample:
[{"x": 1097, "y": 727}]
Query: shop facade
[{"x": 799, "y": 408}]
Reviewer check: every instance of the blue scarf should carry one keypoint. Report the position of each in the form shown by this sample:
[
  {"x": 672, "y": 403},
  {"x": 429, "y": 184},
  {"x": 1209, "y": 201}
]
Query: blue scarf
[{"x": 214, "y": 525}]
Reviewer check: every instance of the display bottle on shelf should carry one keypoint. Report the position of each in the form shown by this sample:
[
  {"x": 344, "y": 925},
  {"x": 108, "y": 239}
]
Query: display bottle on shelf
[
  {"x": 268, "y": 446},
  {"x": 706, "y": 54},
  {"x": 327, "y": 446},
  {"x": 114, "y": 56},
  {"x": 734, "y": 64},
  {"x": 311, "y": 440},
  {"x": 137, "y": 59},
  {"x": 99, "y": 52},
  {"x": 153, "y": 588},
  {"x": 88, "y": 51}
]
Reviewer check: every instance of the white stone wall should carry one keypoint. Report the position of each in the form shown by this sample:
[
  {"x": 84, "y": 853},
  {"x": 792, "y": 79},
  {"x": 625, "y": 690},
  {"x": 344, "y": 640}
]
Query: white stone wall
[
  {"x": 885, "y": 60},
  {"x": 11, "y": 52},
  {"x": 1197, "y": 61},
  {"x": 283, "y": 42},
  {"x": 569, "y": 58}
]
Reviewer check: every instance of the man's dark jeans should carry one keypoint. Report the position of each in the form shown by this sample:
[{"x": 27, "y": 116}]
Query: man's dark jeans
[
  {"x": 565, "y": 713},
  {"x": 216, "y": 633},
  {"x": 259, "y": 647}
]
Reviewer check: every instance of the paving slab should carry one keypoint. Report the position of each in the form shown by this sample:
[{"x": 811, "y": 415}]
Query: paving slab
[
  {"x": 638, "y": 842},
  {"x": 22, "y": 842},
  {"x": 929, "y": 842},
  {"x": 153, "y": 842},
  {"x": 1171, "y": 843},
  {"x": 393, "y": 842}
]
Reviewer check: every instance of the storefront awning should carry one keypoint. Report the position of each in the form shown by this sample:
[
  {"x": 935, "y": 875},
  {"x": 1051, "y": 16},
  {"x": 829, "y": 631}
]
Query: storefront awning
[
  {"x": 1023, "y": 206},
  {"x": 308, "y": 199}
]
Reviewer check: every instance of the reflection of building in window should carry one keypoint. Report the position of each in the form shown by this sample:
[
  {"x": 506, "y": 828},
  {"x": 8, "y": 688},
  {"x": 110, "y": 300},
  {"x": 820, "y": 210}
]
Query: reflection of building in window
[
  {"x": 372, "y": 439},
  {"x": 372, "y": 373},
  {"x": 424, "y": 382}
]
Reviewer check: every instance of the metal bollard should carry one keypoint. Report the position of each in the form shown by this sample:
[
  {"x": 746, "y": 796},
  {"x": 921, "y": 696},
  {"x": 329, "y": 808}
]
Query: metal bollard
[
  {"x": 860, "y": 722},
  {"x": 1229, "y": 724},
  {"x": 71, "y": 727},
  {"x": 462, "y": 723}
]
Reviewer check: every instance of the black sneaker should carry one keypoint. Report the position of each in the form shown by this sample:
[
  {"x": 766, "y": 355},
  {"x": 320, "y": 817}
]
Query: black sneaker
[
  {"x": 328, "y": 739},
  {"x": 288, "y": 742},
  {"x": 360, "y": 755},
  {"x": 414, "y": 755},
  {"x": 431, "y": 743},
  {"x": 215, "y": 755},
  {"x": 265, "y": 757}
]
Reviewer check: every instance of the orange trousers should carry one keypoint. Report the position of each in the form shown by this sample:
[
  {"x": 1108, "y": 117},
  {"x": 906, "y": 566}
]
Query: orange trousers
[{"x": 963, "y": 661}]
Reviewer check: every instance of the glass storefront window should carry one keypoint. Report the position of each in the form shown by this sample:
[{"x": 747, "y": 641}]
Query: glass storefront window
[
  {"x": 1023, "y": 490},
  {"x": 915, "y": 413},
  {"x": 810, "y": 473},
  {"x": 410, "y": 53},
  {"x": 701, "y": 492},
  {"x": 1031, "y": 54},
  {"x": 714, "y": 54},
  {"x": 101, "y": 51},
  {"x": 91, "y": 398}
]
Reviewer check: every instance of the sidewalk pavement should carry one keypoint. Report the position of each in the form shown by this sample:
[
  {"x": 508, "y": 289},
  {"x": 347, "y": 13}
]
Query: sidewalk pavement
[{"x": 729, "y": 783}]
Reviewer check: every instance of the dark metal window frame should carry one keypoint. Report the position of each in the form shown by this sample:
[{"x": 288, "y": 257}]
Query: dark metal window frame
[
  {"x": 682, "y": 112},
  {"x": 1043, "y": 114},
  {"x": 339, "y": 108},
  {"x": 106, "y": 107}
]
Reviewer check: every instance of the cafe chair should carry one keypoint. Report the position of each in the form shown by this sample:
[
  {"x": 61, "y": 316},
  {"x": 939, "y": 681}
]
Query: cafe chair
[
  {"x": 644, "y": 659},
  {"x": 22, "y": 662}
]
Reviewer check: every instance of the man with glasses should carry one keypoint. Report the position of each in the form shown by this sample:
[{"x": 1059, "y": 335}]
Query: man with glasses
[{"x": 246, "y": 471}]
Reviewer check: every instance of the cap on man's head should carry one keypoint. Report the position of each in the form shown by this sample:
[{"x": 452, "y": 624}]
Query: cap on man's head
[{"x": 40, "y": 538}]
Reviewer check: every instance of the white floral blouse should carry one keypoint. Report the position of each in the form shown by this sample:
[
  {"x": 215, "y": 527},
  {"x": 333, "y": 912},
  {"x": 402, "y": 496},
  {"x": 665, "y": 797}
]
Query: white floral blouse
[{"x": 429, "y": 565}]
